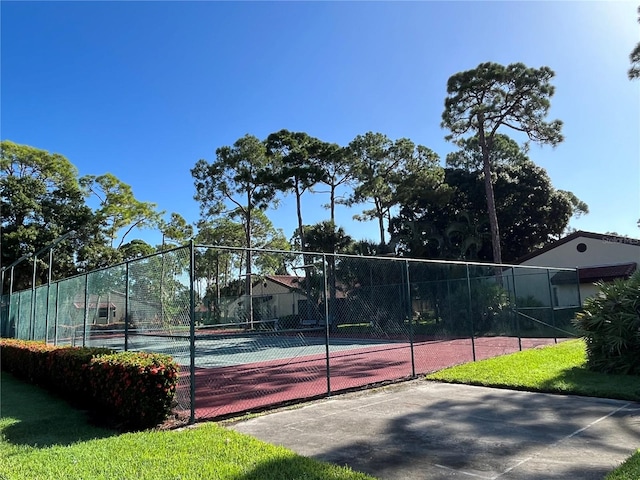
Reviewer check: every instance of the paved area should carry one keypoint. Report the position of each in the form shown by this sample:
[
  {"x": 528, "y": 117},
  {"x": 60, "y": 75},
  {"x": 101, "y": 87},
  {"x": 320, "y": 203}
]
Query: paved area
[{"x": 427, "y": 430}]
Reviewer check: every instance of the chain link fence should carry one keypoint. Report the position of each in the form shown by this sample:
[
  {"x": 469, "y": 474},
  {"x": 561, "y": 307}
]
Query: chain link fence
[{"x": 252, "y": 329}]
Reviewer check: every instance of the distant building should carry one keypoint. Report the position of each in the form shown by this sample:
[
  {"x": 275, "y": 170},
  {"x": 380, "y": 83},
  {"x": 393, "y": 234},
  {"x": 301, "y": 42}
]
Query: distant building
[
  {"x": 597, "y": 257},
  {"x": 109, "y": 308}
]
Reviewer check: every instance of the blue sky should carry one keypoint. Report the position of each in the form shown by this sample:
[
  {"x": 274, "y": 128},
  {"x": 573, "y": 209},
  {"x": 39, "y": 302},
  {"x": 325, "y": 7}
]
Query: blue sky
[{"x": 145, "y": 89}]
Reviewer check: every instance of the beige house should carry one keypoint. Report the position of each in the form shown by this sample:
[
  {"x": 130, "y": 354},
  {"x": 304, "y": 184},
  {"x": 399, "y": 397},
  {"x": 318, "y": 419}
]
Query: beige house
[
  {"x": 279, "y": 296},
  {"x": 274, "y": 297},
  {"x": 109, "y": 308},
  {"x": 597, "y": 257}
]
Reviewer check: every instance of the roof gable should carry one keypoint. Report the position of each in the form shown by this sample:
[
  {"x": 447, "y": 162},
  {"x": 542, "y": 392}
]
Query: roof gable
[
  {"x": 289, "y": 281},
  {"x": 575, "y": 235}
]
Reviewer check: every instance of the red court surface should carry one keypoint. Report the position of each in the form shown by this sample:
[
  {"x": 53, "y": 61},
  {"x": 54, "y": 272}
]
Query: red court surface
[{"x": 225, "y": 391}]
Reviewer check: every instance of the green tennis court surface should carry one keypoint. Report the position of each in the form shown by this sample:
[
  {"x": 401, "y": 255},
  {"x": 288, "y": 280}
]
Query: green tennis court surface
[{"x": 225, "y": 350}]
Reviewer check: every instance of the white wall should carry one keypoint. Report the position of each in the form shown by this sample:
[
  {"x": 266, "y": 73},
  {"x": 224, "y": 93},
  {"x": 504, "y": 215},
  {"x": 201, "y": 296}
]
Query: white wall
[
  {"x": 608, "y": 251},
  {"x": 599, "y": 252}
]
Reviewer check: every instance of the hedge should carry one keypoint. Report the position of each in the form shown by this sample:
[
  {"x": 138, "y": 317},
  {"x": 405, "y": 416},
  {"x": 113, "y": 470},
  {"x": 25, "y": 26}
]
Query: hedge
[
  {"x": 137, "y": 386},
  {"x": 136, "y": 389}
]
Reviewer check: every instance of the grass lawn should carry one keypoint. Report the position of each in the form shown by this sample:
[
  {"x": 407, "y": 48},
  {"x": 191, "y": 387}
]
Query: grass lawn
[
  {"x": 554, "y": 369},
  {"x": 41, "y": 437}
]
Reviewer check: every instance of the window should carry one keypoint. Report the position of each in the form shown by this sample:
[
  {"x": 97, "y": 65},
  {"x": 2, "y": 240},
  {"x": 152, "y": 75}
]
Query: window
[
  {"x": 103, "y": 312},
  {"x": 581, "y": 247}
]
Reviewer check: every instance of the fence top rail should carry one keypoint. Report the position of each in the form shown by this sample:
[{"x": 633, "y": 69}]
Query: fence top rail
[
  {"x": 109, "y": 267},
  {"x": 123, "y": 264},
  {"x": 505, "y": 266}
]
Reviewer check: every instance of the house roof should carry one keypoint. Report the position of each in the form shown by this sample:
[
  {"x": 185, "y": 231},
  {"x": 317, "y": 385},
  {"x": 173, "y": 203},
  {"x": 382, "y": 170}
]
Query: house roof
[
  {"x": 293, "y": 282},
  {"x": 289, "y": 281},
  {"x": 596, "y": 274},
  {"x": 578, "y": 234}
]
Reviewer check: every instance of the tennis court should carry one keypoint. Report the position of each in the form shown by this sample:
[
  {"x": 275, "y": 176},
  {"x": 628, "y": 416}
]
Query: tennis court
[{"x": 240, "y": 373}]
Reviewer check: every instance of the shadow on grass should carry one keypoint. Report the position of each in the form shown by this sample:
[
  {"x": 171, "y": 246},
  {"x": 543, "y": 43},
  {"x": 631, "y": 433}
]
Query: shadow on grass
[
  {"x": 31, "y": 416},
  {"x": 581, "y": 381},
  {"x": 300, "y": 467}
]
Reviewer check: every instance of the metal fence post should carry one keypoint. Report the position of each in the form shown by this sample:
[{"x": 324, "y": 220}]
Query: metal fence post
[
  {"x": 46, "y": 315},
  {"x": 410, "y": 317},
  {"x": 32, "y": 313},
  {"x": 553, "y": 312},
  {"x": 17, "y": 317},
  {"x": 515, "y": 308},
  {"x": 126, "y": 306},
  {"x": 86, "y": 311},
  {"x": 470, "y": 310},
  {"x": 192, "y": 333},
  {"x": 55, "y": 325},
  {"x": 326, "y": 320},
  {"x": 4, "y": 319}
]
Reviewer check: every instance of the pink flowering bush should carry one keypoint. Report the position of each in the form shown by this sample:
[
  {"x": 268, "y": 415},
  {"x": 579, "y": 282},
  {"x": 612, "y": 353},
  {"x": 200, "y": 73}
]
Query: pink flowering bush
[{"x": 136, "y": 389}]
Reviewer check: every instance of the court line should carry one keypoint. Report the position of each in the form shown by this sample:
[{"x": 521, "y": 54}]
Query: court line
[
  {"x": 469, "y": 474},
  {"x": 563, "y": 439}
]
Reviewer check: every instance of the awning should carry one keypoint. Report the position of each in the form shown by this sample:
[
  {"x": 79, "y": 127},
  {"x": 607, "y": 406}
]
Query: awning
[{"x": 595, "y": 274}]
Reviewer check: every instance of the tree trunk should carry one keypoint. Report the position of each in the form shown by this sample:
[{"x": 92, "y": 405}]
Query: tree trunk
[
  {"x": 299, "y": 213},
  {"x": 380, "y": 215},
  {"x": 491, "y": 202},
  {"x": 332, "y": 204}
]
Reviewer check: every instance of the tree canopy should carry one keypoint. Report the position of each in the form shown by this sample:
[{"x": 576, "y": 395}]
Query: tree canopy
[
  {"x": 176, "y": 231},
  {"x": 119, "y": 211},
  {"x": 236, "y": 182},
  {"x": 42, "y": 199},
  {"x": 294, "y": 166},
  {"x": 634, "y": 58},
  {"x": 382, "y": 167},
  {"x": 491, "y": 96},
  {"x": 455, "y": 226},
  {"x": 430, "y": 211}
]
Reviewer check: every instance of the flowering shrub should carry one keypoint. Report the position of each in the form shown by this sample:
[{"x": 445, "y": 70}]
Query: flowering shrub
[
  {"x": 25, "y": 360},
  {"x": 136, "y": 388},
  {"x": 68, "y": 372}
]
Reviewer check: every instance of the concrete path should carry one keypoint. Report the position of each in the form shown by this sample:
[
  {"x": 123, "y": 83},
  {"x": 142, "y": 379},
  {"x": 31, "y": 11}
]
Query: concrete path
[{"x": 427, "y": 430}]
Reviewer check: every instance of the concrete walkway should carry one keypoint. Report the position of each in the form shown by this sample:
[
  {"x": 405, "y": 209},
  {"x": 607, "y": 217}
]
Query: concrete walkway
[{"x": 427, "y": 430}]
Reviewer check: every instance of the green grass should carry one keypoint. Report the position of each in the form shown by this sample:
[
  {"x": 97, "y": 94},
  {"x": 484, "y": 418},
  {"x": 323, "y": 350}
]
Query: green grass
[
  {"x": 555, "y": 369},
  {"x": 629, "y": 470},
  {"x": 41, "y": 437}
]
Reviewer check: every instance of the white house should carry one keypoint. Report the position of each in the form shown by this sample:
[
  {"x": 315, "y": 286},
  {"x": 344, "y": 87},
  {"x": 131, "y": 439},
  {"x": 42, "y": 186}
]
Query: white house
[
  {"x": 597, "y": 257},
  {"x": 274, "y": 296},
  {"x": 109, "y": 308}
]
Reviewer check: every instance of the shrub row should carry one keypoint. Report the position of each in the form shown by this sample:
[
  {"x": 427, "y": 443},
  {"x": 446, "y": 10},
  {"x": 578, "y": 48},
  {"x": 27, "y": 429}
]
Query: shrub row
[{"x": 136, "y": 389}]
